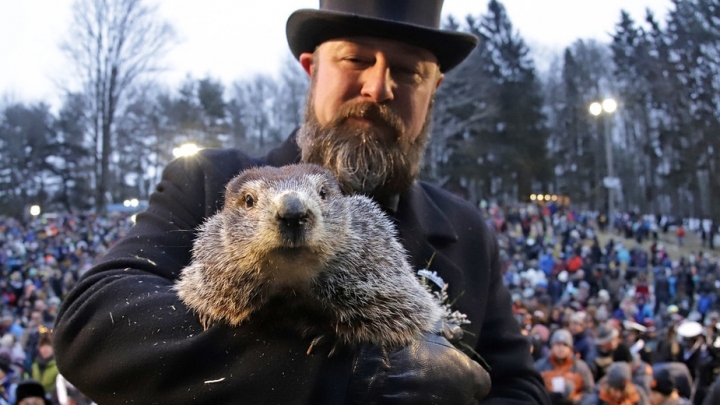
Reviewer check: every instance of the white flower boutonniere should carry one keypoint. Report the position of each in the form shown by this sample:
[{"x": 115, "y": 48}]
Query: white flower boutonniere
[{"x": 452, "y": 319}]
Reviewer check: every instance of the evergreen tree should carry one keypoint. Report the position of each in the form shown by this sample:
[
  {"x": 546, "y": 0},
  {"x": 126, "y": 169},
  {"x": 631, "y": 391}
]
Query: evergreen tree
[
  {"x": 26, "y": 139},
  {"x": 518, "y": 135}
]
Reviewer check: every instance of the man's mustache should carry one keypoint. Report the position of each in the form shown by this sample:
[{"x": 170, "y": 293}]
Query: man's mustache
[{"x": 374, "y": 112}]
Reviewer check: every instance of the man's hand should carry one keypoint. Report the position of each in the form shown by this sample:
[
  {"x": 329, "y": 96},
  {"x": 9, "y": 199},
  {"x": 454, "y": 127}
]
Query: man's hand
[{"x": 428, "y": 371}]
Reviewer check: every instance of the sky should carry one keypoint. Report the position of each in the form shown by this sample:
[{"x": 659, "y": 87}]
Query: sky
[{"x": 236, "y": 39}]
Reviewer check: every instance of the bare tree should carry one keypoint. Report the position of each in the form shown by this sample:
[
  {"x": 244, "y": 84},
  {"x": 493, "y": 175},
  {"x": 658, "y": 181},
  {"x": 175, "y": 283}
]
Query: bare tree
[{"x": 111, "y": 43}]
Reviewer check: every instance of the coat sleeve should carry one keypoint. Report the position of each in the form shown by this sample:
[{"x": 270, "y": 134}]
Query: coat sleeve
[
  {"x": 122, "y": 335},
  {"x": 588, "y": 381}
]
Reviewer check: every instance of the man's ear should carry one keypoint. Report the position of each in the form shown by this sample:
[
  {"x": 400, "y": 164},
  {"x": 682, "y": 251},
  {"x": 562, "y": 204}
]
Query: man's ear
[
  {"x": 307, "y": 62},
  {"x": 439, "y": 80}
]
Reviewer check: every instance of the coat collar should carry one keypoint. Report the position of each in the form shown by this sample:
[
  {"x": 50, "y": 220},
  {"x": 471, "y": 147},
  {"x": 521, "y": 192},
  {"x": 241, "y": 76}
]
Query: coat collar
[{"x": 433, "y": 223}]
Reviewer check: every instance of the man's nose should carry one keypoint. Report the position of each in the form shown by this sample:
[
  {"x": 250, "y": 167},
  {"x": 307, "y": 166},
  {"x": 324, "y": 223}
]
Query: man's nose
[{"x": 378, "y": 83}]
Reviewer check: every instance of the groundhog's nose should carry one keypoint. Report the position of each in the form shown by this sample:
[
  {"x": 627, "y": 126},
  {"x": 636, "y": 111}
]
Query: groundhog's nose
[{"x": 292, "y": 216}]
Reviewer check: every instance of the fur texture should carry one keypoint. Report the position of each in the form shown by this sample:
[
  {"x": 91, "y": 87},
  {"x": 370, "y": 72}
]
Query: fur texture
[{"x": 330, "y": 264}]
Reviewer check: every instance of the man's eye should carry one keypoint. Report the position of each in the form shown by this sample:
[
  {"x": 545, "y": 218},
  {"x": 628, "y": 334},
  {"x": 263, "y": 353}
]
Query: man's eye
[
  {"x": 356, "y": 60},
  {"x": 407, "y": 75}
]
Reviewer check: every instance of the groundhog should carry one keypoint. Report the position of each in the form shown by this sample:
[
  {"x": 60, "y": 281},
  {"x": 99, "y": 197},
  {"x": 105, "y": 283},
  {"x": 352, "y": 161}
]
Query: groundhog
[{"x": 289, "y": 247}]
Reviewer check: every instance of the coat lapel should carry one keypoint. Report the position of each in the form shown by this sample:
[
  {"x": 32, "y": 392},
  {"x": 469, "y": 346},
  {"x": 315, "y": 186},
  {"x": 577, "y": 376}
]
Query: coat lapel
[{"x": 427, "y": 234}]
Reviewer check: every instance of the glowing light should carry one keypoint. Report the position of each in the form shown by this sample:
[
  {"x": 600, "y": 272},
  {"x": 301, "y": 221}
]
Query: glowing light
[
  {"x": 187, "y": 149},
  {"x": 35, "y": 210},
  {"x": 547, "y": 197},
  {"x": 540, "y": 197},
  {"x": 554, "y": 198},
  {"x": 533, "y": 197},
  {"x": 609, "y": 105},
  {"x": 596, "y": 108}
]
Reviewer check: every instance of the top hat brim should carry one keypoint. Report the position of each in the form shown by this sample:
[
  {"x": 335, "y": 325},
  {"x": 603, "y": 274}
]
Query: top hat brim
[{"x": 307, "y": 28}]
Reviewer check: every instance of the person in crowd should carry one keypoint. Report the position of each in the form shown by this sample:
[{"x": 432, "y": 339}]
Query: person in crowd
[
  {"x": 374, "y": 67},
  {"x": 567, "y": 378},
  {"x": 607, "y": 342},
  {"x": 649, "y": 342},
  {"x": 702, "y": 358},
  {"x": 7, "y": 388},
  {"x": 680, "y": 233},
  {"x": 31, "y": 392},
  {"x": 582, "y": 339},
  {"x": 713, "y": 394},
  {"x": 664, "y": 392},
  {"x": 615, "y": 284},
  {"x": 640, "y": 371},
  {"x": 44, "y": 368},
  {"x": 617, "y": 388}
]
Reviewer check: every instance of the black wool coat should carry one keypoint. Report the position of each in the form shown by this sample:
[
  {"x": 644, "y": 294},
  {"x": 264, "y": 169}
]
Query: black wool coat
[{"x": 123, "y": 336}]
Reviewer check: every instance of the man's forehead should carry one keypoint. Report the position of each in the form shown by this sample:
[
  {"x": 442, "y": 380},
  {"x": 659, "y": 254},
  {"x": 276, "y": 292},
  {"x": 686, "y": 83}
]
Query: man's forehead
[{"x": 394, "y": 47}]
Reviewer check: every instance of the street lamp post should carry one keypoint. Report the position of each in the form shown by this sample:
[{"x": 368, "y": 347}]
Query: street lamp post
[{"x": 608, "y": 106}]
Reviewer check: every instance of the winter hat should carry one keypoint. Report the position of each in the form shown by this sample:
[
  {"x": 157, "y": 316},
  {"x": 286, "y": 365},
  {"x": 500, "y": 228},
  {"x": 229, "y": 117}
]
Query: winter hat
[
  {"x": 30, "y": 389},
  {"x": 7, "y": 341},
  {"x": 541, "y": 331},
  {"x": 604, "y": 295},
  {"x": 578, "y": 317},
  {"x": 5, "y": 364},
  {"x": 562, "y": 336},
  {"x": 606, "y": 333},
  {"x": 663, "y": 382},
  {"x": 618, "y": 375},
  {"x": 602, "y": 314}
]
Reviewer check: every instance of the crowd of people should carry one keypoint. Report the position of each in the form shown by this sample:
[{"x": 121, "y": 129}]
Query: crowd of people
[
  {"x": 40, "y": 261},
  {"x": 612, "y": 322},
  {"x": 617, "y": 319}
]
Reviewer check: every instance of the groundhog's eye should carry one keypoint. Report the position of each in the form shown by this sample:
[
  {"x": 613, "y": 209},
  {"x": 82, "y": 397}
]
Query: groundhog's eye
[
  {"x": 249, "y": 201},
  {"x": 322, "y": 192}
]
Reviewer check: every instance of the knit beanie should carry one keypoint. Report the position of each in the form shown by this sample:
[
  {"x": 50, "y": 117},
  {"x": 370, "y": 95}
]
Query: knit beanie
[
  {"x": 562, "y": 336},
  {"x": 618, "y": 375}
]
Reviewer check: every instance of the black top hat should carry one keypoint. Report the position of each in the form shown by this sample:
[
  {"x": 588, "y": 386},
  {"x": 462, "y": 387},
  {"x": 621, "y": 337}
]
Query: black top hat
[{"x": 415, "y": 22}]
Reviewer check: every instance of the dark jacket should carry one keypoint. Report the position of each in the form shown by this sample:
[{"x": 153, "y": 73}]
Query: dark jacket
[
  {"x": 584, "y": 345},
  {"x": 713, "y": 395},
  {"x": 123, "y": 334}
]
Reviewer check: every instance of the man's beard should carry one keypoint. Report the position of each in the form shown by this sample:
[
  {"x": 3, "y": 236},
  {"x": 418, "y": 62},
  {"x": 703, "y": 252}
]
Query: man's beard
[{"x": 375, "y": 160}]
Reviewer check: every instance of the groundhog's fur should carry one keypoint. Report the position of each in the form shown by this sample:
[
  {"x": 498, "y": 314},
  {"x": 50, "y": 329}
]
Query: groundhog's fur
[{"x": 335, "y": 256}]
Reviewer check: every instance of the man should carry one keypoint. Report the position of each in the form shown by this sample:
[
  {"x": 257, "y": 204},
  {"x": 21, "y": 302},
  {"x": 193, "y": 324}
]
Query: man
[
  {"x": 567, "y": 378},
  {"x": 713, "y": 395},
  {"x": 606, "y": 342},
  {"x": 30, "y": 392},
  {"x": 583, "y": 342},
  {"x": 44, "y": 368},
  {"x": 617, "y": 388},
  {"x": 6, "y": 376},
  {"x": 663, "y": 391},
  {"x": 374, "y": 68}
]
